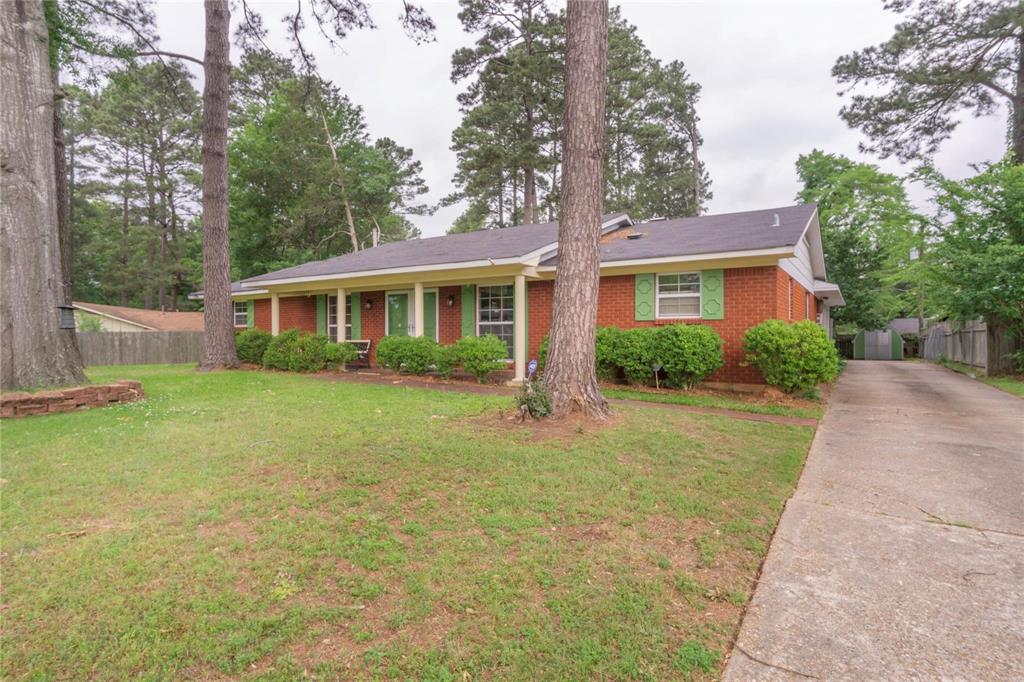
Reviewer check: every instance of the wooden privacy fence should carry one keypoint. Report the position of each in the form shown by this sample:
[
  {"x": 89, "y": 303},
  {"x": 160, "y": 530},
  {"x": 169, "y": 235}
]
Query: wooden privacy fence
[
  {"x": 967, "y": 343},
  {"x": 140, "y": 348}
]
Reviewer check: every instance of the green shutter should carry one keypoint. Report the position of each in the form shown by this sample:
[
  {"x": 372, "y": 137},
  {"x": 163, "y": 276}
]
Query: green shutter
[
  {"x": 896, "y": 345},
  {"x": 469, "y": 310},
  {"x": 250, "y": 313},
  {"x": 712, "y": 295},
  {"x": 321, "y": 315},
  {"x": 357, "y": 315},
  {"x": 643, "y": 298}
]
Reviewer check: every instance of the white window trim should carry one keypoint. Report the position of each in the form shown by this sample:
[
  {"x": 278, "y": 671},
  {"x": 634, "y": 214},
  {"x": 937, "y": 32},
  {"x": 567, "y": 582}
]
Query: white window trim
[
  {"x": 411, "y": 293},
  {"x": 244, "y": 313},
  {"x": 657, "y": 296},
  {"x": 348, "y": 325},
  {"x": 511, "y": 324}
]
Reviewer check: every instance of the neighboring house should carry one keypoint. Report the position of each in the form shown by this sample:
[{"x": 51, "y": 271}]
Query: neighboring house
[
  {"x": 116, "y": 318},
  {"x": 728, "y": 271}
]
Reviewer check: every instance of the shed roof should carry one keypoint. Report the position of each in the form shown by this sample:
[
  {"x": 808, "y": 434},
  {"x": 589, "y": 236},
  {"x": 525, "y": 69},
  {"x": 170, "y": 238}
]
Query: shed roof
[{"x": 152, "y": 320}]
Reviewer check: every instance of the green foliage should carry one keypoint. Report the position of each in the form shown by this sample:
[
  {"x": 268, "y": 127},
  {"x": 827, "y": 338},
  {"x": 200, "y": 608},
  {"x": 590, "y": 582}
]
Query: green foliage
[
  {"x": 87, "y": 322},
  {"x": 946, "y": 58},
  {"x": 868, "y": 229},
  {"x": 445, "y": 360},
  {"x": 533, "y": 399},
  {"x": 606, "y": 352},
  {"x": 251, "y": 344},
  {"x": 693, "y": 656},
  {"x": 977, "y": 269},
  {"x": 635, "y": 354},
  {"x": 337, "y": 355},
  {"x": 481, "y": 355},
  {"x": 687, "y": 353},
  {"x": 412, "y": 354},
  {"x": 292, "y": 195},
  {"x": 793, "y": 357},
  {"x": 296, "y": 351},
  {"x": 390, "y": 351}
]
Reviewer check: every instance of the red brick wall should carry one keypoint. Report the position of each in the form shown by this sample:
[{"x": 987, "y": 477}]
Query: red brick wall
[
  {"x": 791, "y": 298},
  {"x": 450, "y": 319},
  {"x": 298, "y": 312},
  {"x": 261, "y": 313},
  {"x": 750, "y": 298}
]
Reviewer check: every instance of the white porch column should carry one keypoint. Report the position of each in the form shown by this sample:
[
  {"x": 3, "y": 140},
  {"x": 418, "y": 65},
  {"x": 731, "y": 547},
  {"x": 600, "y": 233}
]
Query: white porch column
[
  {"x": 339, "y": 314},
  {"x": 417, "y": 307},
  {"x": 275, "y": 314},
  {"x": 519, "y": 327}
]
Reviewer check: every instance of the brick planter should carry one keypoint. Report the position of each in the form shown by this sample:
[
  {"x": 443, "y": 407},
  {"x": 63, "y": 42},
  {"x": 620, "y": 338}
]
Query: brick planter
[{"x": 69, "y": 399}]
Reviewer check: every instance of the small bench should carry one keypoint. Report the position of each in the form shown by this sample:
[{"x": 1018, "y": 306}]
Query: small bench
[{"x": 363, "y": 350}]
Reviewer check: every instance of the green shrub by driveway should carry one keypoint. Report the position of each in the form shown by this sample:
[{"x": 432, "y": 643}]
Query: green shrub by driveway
[
  {"x": 792, "y": 357},
  {"x": 687, "y": 353}
]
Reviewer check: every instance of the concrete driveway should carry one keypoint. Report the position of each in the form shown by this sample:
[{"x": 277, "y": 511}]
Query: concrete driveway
[{"x": 901, "y": 554}]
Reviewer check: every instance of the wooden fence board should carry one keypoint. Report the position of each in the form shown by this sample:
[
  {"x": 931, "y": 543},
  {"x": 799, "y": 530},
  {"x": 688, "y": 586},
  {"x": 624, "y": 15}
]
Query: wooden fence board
[{"x": 140, "y": 348}]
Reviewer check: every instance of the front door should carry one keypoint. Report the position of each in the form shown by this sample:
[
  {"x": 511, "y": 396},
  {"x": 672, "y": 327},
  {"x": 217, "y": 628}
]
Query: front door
[
  {"x": 430, "y": 314},
  {"x": 398, "y": 314}
]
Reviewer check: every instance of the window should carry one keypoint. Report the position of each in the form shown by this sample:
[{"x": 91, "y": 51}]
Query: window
[
  {"x": 495, "y": 313},
  {"x": 679, "y": 295},
  {"x": 241, "y": 313},
  {"x": 332, "y": 318}
]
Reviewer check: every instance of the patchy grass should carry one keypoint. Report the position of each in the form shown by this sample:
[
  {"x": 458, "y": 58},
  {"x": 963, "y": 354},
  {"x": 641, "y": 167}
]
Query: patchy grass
[
  {"x": 1013, "y": 384},
  {"x": 792, "y": 407},
  {"x": 265, "y": 526}
]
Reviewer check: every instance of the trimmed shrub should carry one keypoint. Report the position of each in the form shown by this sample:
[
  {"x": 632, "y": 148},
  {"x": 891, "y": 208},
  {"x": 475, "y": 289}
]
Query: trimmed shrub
[
  {"x": 389, "y": 352},
  {"x": 417, "y": 354},
  {"x": 337, "y": 355},
  {"x": 481, "y": 355},
  {"x": 445, "y": 360},
  {"x": 296, "y": 352},
  {"x": 792, "y": 357},
  {"x": 687, "y": 353},
  {"x": 251, "y": 344},
  {"x": 635, "y": 354}
]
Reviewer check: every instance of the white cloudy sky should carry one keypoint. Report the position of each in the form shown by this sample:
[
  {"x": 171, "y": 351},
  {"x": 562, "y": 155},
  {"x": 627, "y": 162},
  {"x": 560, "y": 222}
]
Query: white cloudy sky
[{"x": 764, "y": 67}]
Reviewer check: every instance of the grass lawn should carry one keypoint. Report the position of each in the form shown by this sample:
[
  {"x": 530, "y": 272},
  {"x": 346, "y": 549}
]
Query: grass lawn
[
  {"x": 748, "y": 404},
  {"x": 1010, "y": 384},
  {"x": 264, "y": 526}
]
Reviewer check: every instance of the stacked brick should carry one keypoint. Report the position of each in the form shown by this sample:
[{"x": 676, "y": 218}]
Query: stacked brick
[{"x": 69, "y": 399}]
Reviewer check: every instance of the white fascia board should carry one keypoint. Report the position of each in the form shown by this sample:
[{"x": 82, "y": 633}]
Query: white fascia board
[
  {"x": 93, "y": 311},
  {"x": 781, "y": 252},
  {"x": 250, "y": 292},
  {"x": 389, "y": 271}
]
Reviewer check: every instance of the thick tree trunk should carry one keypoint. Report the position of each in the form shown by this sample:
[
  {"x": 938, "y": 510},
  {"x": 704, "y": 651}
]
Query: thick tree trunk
[
  {"x": 34, "y": 351},
  {"x": 698, "y": 189},
  {"x": 569, "y": 377},
  {"x": 125, "y": 254},
  {"x": 1017, "y": 111},
  {"x": 219, "y": 339},
  {"x": 148, "y": 165}
]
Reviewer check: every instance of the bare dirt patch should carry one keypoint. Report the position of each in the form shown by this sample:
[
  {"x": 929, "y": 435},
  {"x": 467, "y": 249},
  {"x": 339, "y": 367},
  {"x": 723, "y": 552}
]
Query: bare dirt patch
[{"x": 544, "y": 430}]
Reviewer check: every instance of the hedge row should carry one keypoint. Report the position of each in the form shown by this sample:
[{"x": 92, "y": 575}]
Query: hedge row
[
  {"x": 477, "y": 355},
  {"x": 681, "y": 354},
  {"x": 293, "y": 350},
  {"x": 793, "y": 357}
]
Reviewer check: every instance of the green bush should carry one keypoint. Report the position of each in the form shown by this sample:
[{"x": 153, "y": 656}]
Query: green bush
[
  {"x": 445, "y": 360},
  {"x": 296, "y": 351},
  {"x": 542, "y": 354},
  {"x": 339, "y": 354},
  {"x": 481, "y": 355},
  {"x": 252, "y": 344},
  {"x": 412, "y": 354},
  {"x": 792, "y": 357},
  {"x": 533, "y": 400},
  {"x": 635, "y": 354},
  {"x": 687, "y": 353}
]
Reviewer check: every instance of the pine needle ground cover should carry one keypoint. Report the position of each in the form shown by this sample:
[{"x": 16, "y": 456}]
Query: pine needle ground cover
[{"x": 263, "y": 525}]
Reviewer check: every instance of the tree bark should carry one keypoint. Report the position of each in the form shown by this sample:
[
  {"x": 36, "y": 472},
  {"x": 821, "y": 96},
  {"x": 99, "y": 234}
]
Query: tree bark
[
  {"x": 569, "y": 377},
  {"x": 219, "y": 339},
  {"x": 34, "y": 351},
  {"x": 125, "y": 255},
  {"x": 1017, "y": 107}
]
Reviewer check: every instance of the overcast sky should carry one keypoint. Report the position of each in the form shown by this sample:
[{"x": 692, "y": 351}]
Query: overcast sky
[{"x": 764, "y": 68}]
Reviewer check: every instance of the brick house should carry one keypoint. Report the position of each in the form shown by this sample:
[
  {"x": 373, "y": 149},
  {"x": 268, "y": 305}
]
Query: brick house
[{"x": 728, "y": 271}]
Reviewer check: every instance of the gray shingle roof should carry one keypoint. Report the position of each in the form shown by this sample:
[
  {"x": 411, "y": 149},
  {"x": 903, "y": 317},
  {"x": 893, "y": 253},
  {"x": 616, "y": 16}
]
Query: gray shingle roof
[
  {"x": 749, "y": 230},
  {"x": 511, "y": 242},
  {"x": 746, "y": 231}
]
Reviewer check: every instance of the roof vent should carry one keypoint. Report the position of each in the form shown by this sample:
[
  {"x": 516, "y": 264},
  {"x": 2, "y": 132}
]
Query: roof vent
[
  {"x": 634, "y": 235},
  {"x": 776, "y": 223}
]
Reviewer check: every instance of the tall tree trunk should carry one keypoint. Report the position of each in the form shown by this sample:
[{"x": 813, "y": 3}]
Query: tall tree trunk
[
  {"x": 219, "y": 339},
  {"x": 501, "y": 200},
  {"x": 125, "y": 276},
  {"x": 34, "y": 351},
  {"x": 175, "y": 251},
  {"x": 1017, "y": 131},
  {"x": 515, "y": 197},
  {"x": 698, "y": 189},
  {"x": 569, "y": 377},
  {"x": 147, "y": 170}
]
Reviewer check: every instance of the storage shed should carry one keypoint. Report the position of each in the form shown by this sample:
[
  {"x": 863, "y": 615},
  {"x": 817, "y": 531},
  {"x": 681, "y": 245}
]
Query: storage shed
[{"x": 878, "y": 345}]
